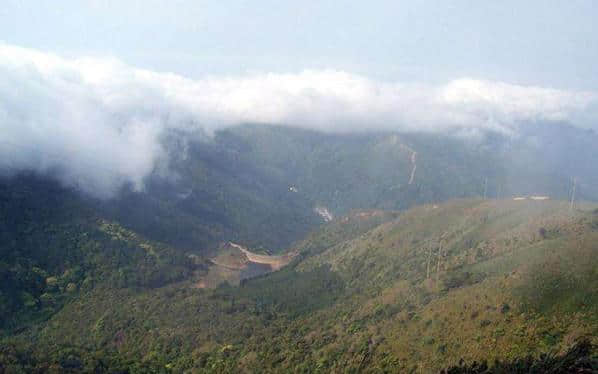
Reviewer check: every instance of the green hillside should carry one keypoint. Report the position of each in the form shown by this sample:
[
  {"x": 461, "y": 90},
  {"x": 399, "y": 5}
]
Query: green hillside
[
  {"x": 469, "y": 279},
  {"x": 215, "y": 187},
  {"x": 260, "y": 184},
  {"x": 55, "y": 247}
]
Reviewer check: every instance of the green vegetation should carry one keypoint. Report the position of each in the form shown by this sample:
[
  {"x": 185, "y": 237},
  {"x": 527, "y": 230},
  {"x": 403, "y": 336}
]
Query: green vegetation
[
  {"x": 469, "y": 280},
  {"x": 130, "y": 285},
  {"x": 578, "y": 359},
  {"x": 54, "y": 249},
  {"x": 258, "y": 184}
]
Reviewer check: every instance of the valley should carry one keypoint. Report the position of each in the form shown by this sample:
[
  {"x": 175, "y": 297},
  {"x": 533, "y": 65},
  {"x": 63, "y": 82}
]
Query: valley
[
  {"x": 234, "y": 263},
  {"x": 264, "y": 187},
  {"x": 240, "y": 274},
  {"x": 275, "y": 262},
  {"x": 361, "y": 295}
]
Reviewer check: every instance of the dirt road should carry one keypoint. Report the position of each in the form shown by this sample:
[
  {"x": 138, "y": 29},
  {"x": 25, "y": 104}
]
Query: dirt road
[{"x": 276, "y": 262}]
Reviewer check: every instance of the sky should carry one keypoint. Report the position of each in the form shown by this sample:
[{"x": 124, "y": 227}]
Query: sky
[
  {"x": 535, "y": 42},
  {"x": 89, "y": 88}
]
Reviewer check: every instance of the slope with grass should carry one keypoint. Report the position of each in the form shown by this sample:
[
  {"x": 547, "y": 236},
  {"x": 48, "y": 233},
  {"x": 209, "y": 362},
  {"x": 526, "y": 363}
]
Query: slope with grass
[{"x": 468, "y": 280}]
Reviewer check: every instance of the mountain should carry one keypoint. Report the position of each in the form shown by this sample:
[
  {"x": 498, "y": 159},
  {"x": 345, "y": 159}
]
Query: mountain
[
  {"x": 281, "y": 249},
  {"x": 468, "y": 279},
  {"x": 264, "y": 185}
]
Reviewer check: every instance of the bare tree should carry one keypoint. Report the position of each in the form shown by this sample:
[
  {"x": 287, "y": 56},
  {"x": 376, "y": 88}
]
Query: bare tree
[
  {"x": 441, "y": 252},
  {"x": 573, "y": 194},
  {"x": 430, "y": 246},
  {"x": 439, "y": 260}
]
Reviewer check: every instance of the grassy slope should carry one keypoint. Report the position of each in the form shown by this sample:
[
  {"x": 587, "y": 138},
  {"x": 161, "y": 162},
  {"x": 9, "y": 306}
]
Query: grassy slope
[
  {"x": 502, "y": 291},
  {"x": 514, "y": 278}
]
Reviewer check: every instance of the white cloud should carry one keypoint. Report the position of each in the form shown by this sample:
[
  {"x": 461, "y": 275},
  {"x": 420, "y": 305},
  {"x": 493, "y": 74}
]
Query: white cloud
[{"x": 97, "y": 122}]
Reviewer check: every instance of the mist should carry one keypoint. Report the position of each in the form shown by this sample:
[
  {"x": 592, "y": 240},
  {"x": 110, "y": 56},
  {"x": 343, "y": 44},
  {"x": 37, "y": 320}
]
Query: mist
[{"x": 97, "y": 123}]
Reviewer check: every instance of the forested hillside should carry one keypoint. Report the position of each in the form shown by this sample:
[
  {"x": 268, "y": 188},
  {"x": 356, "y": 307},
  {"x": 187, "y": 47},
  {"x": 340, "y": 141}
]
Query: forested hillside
[
  {"x": 471, "y": 280},
  {"x": 55, "y": 247},
  {"x": 261, "y": 184},
  {"x": 288, "y": 187},
  {"x": 144, "y": 278}
]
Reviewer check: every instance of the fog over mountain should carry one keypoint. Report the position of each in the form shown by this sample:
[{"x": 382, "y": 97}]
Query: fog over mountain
[
  {"x": 298, "y": 187},
  {"x": 98, "y": 123}
]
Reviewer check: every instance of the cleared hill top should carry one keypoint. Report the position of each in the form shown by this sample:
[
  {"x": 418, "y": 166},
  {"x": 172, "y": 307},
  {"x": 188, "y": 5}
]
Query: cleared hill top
[{"x": 482, "y": 227}]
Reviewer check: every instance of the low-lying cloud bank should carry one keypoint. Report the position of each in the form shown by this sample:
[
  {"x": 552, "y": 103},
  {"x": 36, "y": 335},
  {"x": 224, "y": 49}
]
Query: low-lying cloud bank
[{"x": 97, "y": 122}]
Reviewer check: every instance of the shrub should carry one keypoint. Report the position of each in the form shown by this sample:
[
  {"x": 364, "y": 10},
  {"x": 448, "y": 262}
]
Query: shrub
[
  {"x": 485, "y": 322},
  {"x": 578, "y": 359},
  {"x": 461, "y": 279}
]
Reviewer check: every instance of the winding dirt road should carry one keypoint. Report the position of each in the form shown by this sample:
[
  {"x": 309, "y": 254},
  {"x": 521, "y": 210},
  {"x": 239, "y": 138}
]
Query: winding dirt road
[
  {"x": 276, "y": 262},
  {"x": 413, "y": 155}
]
